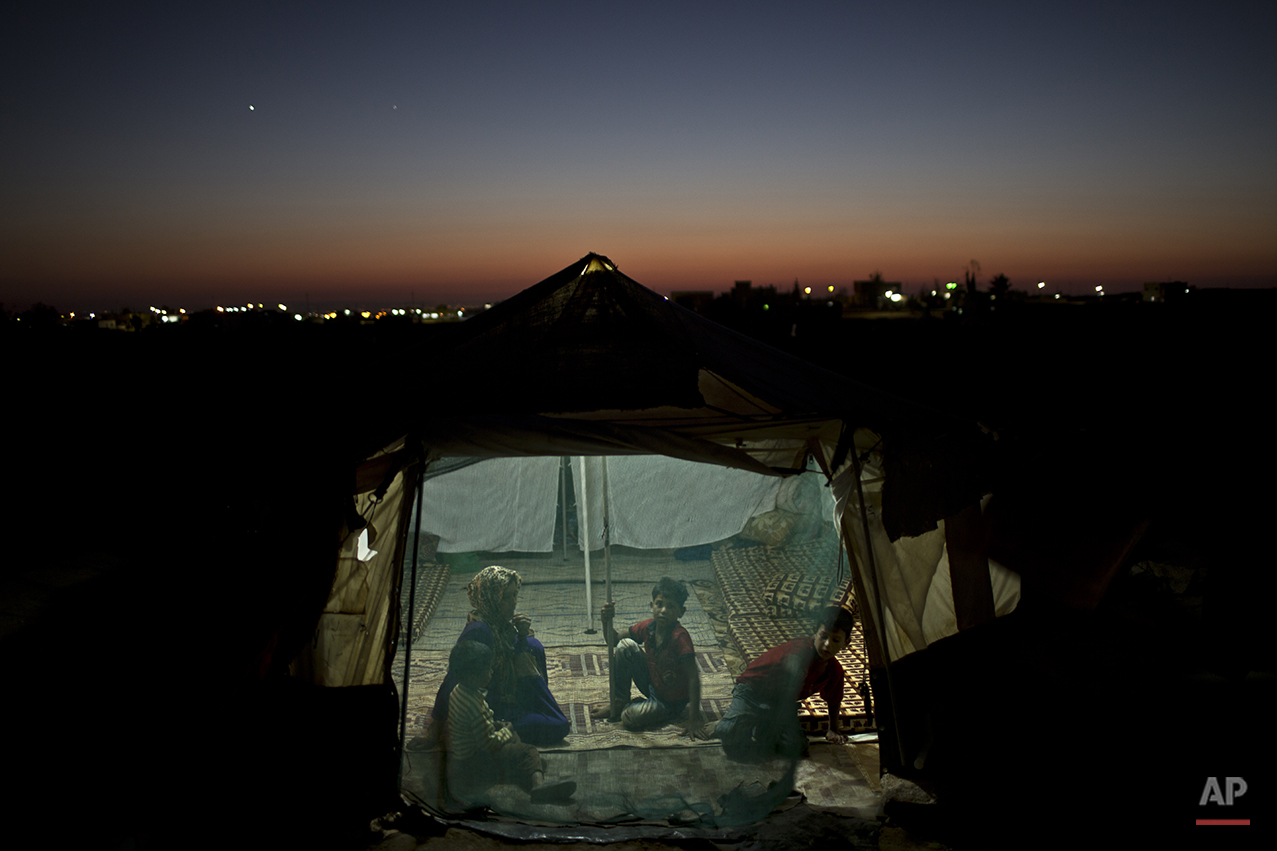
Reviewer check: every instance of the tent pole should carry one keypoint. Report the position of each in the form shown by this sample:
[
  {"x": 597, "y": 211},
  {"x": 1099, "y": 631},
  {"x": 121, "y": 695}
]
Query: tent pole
[
  {"x": 563, "y": 501},
  {"x": 873, "y": 575},
  {"x": 412, "y": 601},
  {"x": 584, "y": 500},
  {"x": 607, "y": 573},
  {"x": 607, "y": 536}
]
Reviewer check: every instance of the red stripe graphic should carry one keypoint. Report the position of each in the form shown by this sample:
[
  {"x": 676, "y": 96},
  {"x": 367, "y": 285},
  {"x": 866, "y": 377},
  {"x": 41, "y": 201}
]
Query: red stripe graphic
[{"x": 1223, "y": 821}]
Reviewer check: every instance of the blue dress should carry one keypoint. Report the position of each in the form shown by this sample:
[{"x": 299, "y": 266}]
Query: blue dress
[{"x": 529, "y": 707}]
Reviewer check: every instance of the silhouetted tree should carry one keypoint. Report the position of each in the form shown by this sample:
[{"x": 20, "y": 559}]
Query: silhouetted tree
[
  {"x": 40, "y": 315},
  {"x": 973, "y": 272},
  {"x": 999, "y": 285}
]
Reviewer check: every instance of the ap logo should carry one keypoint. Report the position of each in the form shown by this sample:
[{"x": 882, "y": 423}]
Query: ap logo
[{"x": 1233, "y": 788}]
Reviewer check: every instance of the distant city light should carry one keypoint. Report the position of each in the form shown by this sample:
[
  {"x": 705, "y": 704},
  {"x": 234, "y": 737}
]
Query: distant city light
[
  {"x": 807, "y": 290},
  {"x": 767, "y": 307},
  {"x": 459, "y": 312},
  {"x": 1057, "y": 295},
  {"x": 933, "y": 292},
  {"x": 1041, "y": 284},
  {"x": 888, "y": 293},
  {"x": 282, "y": 307},
  {"x": 1099, "y": 289},
  {"x": 347, "y": 312},
  {"x": 297, "y": 316},
  {"x": 831, "y": 289},
  {"x": 896, "y": 297},
  {"x": 366, "y": 314},
  {"x": 951, "y": 286}
]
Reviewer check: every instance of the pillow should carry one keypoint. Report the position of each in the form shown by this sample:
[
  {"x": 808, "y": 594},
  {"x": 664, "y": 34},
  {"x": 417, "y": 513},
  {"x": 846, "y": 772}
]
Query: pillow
[
  {"x": 799, "y": 594},
  {"x": 771, "y": 528}
]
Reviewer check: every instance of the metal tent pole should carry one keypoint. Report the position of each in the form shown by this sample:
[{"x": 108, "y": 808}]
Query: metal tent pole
[
  {"x": 412, "y": 601},
  {"x": 607, "y": 535},
  {"x": 882, "y": 624},
  {"x": 563, "y": 501},
  {"x": 607, "y": 572},
  {"x": 583, "y": 499}
]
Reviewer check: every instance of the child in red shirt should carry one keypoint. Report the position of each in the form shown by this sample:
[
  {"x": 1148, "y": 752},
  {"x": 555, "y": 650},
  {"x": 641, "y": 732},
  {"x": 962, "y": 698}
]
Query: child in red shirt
[
  {"x": 657, "y": 656},
  {"x": 762, "y": 720}
]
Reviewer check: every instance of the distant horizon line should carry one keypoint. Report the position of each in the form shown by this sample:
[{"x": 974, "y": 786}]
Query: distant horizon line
[{"x": 386, "y": 297}]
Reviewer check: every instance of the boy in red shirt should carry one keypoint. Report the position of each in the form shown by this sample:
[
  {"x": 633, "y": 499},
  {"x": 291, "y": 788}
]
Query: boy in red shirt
[
  {"x": 657, "y": 656},
  {"x": 762, "y": 720}
]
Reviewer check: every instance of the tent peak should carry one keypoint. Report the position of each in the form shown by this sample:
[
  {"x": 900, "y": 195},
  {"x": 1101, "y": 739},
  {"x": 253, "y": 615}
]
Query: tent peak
[{"x": 597, "y": 263}]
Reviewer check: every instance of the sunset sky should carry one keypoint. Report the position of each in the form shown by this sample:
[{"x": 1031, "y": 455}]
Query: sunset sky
[{"x": 373, "y": 153}]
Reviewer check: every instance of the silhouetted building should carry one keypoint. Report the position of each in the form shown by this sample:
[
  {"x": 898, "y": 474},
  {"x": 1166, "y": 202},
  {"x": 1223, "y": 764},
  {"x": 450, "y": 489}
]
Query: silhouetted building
[
  {"x": 1165, "y": 290},
  {"x": 872, "y": 295}
]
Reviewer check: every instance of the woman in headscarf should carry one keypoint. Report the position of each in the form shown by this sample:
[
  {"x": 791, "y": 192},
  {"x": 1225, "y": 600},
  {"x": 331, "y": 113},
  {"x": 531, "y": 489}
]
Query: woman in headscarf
[{"x": 519, "y": 691}]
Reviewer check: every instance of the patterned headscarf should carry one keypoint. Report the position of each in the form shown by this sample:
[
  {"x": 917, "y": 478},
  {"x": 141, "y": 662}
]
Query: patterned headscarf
[{"x": 485, "y": 591}]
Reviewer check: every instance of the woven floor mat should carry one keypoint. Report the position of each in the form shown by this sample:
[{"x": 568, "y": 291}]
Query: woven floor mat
[
  {"x": 579, "y": 682},
  {"x": 743, "y": 571}
]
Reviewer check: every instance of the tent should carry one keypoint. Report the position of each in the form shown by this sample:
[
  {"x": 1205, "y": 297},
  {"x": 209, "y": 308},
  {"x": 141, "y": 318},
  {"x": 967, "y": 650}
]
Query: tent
[{"x": 589, "y": 363}]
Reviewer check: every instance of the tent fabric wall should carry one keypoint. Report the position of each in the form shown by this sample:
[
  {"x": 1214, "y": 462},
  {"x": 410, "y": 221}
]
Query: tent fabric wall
[
  {"x": 510, "y": 504},
  {"x": 498, "y": 505},
  {"x": 655, "y": 502},
  {"x": 352, "y": 638},
  {"x": 908, "y": 578}
]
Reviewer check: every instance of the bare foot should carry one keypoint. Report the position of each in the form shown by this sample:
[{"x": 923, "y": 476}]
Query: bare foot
[{"x": 607, "y": 712}]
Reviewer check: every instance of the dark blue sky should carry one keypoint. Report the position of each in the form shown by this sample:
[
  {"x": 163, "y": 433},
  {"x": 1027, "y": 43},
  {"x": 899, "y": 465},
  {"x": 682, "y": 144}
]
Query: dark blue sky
[{"x": 463, "y": 151}]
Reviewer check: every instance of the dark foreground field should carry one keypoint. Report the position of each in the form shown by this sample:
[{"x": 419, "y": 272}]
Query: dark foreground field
[{"x": 152, "y": 478}]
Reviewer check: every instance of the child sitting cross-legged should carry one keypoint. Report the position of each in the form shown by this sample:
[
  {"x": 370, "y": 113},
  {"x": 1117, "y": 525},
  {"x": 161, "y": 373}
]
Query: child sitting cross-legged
[
  {"x": 657, "y": 656},
  {"x": 480, "y": 752}
]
